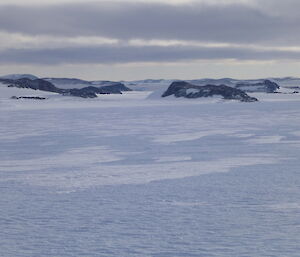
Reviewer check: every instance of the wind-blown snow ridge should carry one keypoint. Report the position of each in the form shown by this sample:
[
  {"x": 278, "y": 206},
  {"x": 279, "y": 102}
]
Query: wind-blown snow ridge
[{"x": 92, "y": 175}]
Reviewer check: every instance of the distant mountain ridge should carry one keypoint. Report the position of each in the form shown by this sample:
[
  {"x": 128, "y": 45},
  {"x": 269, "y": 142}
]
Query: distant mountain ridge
[
  {"x": 255, "y": 85},
  {"x": 266, "y": 86},
  {"x": 19, "y": 76},
  {"x": 89, "y": 91},
  {"x": 73, "y": 83},
  {"x": 188, "y": 90}
]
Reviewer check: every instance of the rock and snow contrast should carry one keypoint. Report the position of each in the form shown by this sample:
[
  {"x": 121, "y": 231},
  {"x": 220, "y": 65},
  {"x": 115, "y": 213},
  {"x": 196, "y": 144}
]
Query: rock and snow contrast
[
  {"x": 261, "y": 86},
  {"x": 270, "y": 85},
  {"x": 138, "y": 174},
  {"x": 187, "y": 90},
  {"x": 227, "y": 88},
  {"x": 19, "y": 76},
  {"x": 70, "y": 87}
]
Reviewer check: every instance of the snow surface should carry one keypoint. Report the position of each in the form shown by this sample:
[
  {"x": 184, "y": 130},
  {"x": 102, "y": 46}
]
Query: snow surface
[{"x": 125, "y": 175}]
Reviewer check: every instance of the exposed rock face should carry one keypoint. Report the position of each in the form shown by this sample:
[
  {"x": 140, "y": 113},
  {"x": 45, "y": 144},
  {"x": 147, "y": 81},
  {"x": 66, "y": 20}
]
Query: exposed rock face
[
  {"x": 86, "y": 92},
  {"x": 90, "y": 92},
  {"x": 80, "y": 93},
  {"x": 187, "y": 90},
  {"x": 36, "y": 84},
  {"x": 265, "y": 86},
  {"x": 29, "y": 97},
  {"x": 72, "y": 83},
  {"x": 116, "y": 88}
]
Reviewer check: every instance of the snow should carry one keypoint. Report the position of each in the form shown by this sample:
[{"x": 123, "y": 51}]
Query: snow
[
  {"x": 129, "y": 175},
  {"x": 19, "y": 76},
  {"x": 69, "y": 83},
  {"x": 179, "y": 137},
  {"x": 66, "y": 83},
  {"x": 7, "y": 92},
  {"x": 192, "y": 91}
]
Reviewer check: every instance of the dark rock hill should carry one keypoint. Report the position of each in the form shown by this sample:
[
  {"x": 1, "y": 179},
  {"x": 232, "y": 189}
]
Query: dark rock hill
[
  {"x": 116, "y": 88},
  {"x": 265, "y": 86},
  {"x": 187, "y": 90},
  {"x": 86, "y": 92},
  {"x": 29, "y": 97},
  {"x": 36, "y": 84},
  {"x": 91, "y": 92}
]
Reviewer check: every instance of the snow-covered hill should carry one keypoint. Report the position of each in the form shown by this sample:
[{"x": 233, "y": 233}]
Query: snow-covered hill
[
  {"x": 156, "y": 86},
  {"x": 19, "y": 76},
  {"x": 70, "y": 83},
  {"x": 7, "y": 92}
]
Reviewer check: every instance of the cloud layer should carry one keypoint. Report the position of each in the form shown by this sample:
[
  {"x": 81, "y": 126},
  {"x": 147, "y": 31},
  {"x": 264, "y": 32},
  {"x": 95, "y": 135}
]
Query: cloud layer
[
  {"x": 149, "y": 31},
  {"x": 128, "y": 54},
  {"x": 220, "y": 23}
]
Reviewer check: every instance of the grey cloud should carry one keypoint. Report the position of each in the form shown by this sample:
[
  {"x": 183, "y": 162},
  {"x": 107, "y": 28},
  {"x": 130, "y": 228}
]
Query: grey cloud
[
  {"x": 235, "y": 23},
  {"x": 127, "y": 54}
]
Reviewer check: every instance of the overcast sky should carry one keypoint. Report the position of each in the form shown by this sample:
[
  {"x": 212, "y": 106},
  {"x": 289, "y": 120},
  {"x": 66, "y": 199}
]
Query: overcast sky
[{"x": 129, "y": 39}]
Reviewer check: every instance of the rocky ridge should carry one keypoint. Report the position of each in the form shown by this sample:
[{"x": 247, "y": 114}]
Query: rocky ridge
[
  {"x": 187, "y": 90},
  {"x": 85, "y": 92},
  {"x": 266, "y": 86}
]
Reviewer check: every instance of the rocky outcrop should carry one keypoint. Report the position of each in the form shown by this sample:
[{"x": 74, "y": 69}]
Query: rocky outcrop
[
  {"x": 36, "y": 84},
  {"x": 19, "y": 76},
  {"x": 86, "y": 92},
  {"x": 266, "y": 86},
  {"x": 115, "y": 88},
  {"x": 90, "y": 92},
  {"x": 29, "y": 97},
  {"x": 187, "y": 90},
  {"x": 72, "y": 83}
]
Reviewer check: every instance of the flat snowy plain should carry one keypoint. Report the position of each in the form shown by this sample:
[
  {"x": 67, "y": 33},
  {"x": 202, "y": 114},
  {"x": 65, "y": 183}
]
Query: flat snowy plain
[{"x": 128, "y": 175}]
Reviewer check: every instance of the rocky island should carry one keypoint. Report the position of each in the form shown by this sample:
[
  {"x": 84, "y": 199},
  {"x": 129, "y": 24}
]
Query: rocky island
[{"x": 187, "y": 90}]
